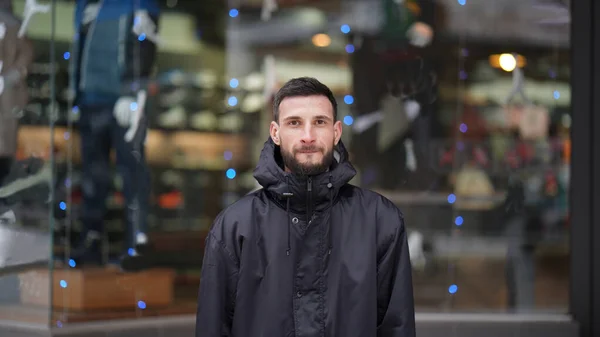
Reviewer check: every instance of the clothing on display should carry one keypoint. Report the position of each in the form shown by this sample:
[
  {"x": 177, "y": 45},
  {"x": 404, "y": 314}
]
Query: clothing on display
[
  {"x": 102, "y": 41},
  {"x": 474, "y": 189},
  {"x": 112, "y": 59},
  {"x": 402, "y": 23}
]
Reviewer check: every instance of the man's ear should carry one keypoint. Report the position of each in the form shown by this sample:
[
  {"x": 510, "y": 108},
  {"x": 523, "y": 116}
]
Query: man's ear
[
  {"x": 337, "y": 131},
  {"x": 274, "y": 132}
]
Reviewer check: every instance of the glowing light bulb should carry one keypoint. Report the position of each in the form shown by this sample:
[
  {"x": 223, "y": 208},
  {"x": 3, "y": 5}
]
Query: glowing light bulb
[
  {"x": 507, "y": 62},
  {"x": 321, "y": 40}
]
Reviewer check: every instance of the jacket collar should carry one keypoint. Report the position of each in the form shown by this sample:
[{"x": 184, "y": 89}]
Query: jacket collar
[{"x": 281, "y": 185}]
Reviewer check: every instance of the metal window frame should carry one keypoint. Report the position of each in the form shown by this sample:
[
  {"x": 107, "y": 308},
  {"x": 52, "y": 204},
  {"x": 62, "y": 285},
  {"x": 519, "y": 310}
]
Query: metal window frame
[{"x": 585, "y": 166}]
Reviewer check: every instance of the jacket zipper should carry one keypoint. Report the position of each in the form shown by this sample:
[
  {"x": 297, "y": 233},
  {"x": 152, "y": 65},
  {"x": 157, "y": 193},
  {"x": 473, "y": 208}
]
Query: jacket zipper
[{"x": 309, "y": 200}]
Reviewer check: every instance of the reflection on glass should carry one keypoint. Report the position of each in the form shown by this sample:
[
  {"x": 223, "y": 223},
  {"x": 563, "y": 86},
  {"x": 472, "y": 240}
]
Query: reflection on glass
[
  {"x": 25, "y": 168},
  {"x": 472, "y": 141},
  {"x": 457, "y": 111}
]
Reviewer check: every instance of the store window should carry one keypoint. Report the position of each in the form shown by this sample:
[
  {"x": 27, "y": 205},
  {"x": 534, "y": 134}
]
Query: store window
[
  {"x": 458, "y": 111},
  {"x": 461, "y": 117}
]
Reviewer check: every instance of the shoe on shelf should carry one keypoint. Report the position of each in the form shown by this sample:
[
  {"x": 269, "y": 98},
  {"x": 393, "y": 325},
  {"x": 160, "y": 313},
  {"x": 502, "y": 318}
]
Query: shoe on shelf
[
  {"x": 253, "y": 102},
  {"x": 139, "y": 258},
  {"x": 204, "y": 121},
  {"x": 89, "y": 251},
  {"x": 173, "y": 118}
]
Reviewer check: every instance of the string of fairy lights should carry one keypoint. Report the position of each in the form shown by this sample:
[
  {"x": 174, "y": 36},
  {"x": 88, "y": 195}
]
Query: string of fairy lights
[
  {"x": 234, "y": 15},
  {"x": 232, "y": 101}
]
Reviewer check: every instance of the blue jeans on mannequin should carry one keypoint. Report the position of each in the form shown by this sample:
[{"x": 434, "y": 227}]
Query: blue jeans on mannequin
[{"x": 100, "y": 133}]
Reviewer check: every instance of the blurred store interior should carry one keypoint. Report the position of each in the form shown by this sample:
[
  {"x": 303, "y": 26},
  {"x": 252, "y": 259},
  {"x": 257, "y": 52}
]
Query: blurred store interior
[{"x": 459, "y": 111}]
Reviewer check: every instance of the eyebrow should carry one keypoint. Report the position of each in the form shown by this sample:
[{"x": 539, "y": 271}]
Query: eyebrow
[{"x": 315, "y": 117}]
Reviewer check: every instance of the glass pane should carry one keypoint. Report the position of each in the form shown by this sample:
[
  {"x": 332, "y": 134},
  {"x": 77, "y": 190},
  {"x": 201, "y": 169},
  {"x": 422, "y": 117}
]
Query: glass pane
[
  {"x": 471, "y": 103},
  {"x": 457, "y": 111},
  {"x": 149, "y": 138},
  {"x": 27, "y": 162}
]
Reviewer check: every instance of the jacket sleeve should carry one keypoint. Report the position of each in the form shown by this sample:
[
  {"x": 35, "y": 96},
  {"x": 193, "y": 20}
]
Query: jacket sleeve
[
  {"x": 395, "y": 302},
  {"x": 217, "y": 290}
]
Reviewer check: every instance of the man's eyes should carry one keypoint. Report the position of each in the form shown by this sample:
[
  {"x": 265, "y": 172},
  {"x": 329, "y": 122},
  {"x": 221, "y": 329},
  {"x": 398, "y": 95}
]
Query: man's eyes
[{"x": 318, "y": 122}]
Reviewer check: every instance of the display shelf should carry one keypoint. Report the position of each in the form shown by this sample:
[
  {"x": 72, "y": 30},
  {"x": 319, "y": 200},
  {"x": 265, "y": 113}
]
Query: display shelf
[
  {"x": 96, "y": 288},
  {"x": 181, "y": 149}
]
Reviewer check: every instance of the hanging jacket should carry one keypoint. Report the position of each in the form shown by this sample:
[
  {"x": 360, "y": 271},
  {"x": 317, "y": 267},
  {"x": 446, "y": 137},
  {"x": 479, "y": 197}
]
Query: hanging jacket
[
  {"x": 306, "y": 257},
  {"x": 107, "y": 59},
  {"x": 16, "y": 55}
]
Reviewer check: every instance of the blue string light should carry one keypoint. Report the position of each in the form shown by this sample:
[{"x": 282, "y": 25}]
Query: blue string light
[
  {"x": 345, "y": 29},
  {"x": 349, "y": 48},
  {"x": 233, "y": 12},
  {"x": 459, "y": 220},
  {"x": 230, "y": 173},
  {"x": 63, "y": 283},
  {"x": 232, "y": 101},
  {"x": 233, "y": 83},
  {"x": 453, "y": 289},
  {"x": 348, "y": 120},
  {"x": 451, "y": 198}
]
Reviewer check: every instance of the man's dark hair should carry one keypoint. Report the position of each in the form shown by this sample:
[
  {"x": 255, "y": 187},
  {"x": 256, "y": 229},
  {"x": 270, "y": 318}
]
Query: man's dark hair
[{"x": 303, "y": 86}]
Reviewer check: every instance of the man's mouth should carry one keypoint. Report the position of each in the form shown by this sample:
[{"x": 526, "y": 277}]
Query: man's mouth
[{"x": 308, "y": 151}]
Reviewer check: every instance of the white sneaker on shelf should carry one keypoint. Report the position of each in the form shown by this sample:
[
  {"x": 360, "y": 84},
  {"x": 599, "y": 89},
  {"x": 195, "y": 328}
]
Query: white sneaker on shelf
[
  {"x": 204, "y": 120},
  {"x": 232, "y": 122},
  {"x": 253, "y": 102},
  {"x": 173, "y": 118},
  {"x": 254, "y": 82},
  {"x": 206, "y": 79},
  {"x": 172, "y": 98}
]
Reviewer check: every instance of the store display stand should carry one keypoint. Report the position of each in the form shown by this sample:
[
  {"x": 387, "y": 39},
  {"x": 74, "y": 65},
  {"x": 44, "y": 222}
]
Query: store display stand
[{"x": 99, "y": 288}]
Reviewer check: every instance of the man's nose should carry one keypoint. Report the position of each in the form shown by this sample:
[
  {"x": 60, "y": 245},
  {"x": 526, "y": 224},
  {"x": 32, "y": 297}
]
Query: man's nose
[{"x": 308, "y": 136}]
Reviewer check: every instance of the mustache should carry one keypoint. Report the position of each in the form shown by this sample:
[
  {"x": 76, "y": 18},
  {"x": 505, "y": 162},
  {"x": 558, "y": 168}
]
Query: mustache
[{"x": 308, "y": 149}]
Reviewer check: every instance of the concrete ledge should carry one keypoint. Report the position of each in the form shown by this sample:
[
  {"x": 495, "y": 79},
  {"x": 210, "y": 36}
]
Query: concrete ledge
[{"x": 428, "y": 325}]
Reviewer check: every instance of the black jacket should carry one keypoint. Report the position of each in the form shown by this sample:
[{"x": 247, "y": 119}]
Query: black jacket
[{"x": 306, "y": 257}]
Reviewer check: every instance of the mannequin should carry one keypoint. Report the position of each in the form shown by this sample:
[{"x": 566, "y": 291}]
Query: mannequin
[
  {"x": 112, "y": 58},
  {"x": 392, "y": 77}
]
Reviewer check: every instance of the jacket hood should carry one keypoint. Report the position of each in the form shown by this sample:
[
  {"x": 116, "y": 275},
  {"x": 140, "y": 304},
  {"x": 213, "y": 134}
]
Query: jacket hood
[{"x": 281, "y": 185}]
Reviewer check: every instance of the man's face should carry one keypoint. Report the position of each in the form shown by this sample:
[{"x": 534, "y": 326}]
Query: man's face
[{"x": 306, "y": 134}]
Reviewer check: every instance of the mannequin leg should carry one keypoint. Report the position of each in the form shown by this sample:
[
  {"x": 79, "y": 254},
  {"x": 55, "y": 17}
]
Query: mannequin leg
[
  {"x": 95, "y": 124},
  {"x": 131, "y": 165}
]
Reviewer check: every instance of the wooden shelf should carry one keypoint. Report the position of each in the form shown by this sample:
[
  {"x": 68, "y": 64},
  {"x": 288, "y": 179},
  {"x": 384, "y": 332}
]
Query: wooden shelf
[{"x": 180, "y": 149}]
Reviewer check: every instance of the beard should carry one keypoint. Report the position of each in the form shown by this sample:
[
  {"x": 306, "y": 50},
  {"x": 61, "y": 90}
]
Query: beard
[{"x": 307, "y": 168}]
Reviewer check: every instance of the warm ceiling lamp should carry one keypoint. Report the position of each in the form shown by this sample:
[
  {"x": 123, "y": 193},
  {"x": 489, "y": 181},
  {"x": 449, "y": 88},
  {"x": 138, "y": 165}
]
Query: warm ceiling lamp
[
  {"x": 507, "y": 62},
  {"x": 321, "y": 40}
]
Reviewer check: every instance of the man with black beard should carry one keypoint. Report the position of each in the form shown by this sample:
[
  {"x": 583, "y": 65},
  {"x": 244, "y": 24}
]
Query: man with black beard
[{"x": 308, "y": 254}]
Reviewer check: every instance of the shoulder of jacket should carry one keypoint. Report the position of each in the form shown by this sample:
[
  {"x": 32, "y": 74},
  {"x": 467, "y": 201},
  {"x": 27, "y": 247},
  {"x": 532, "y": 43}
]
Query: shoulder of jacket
[
  {"x": 381, "y": 202},
  {"x": 231, "y": 216}
]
